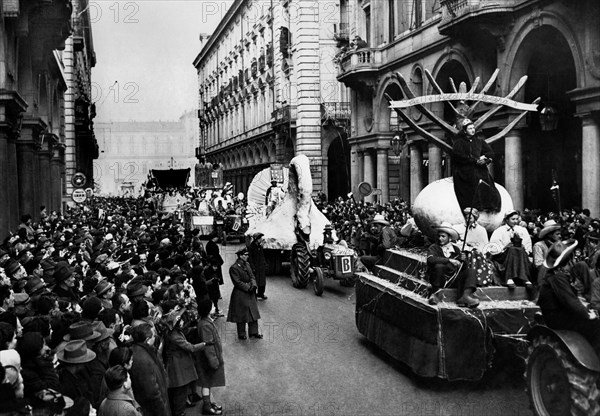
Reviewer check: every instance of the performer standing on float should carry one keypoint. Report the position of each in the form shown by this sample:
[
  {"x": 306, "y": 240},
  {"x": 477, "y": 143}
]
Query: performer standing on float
[{"x": 470, "y": 157}]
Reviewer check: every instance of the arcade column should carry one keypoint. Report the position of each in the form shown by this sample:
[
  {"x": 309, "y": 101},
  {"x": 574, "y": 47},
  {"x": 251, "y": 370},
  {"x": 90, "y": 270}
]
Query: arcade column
[
  {"x": 590, "y": 164},
  {"x": 370, "y": 172},
  {"x": 416, "y": 165},
  {"x": 383, "y": 175},
  {"x": 356, "y": 161},
  {"x": 513, "y": 167},
  {"x": 435, "y": 163}
]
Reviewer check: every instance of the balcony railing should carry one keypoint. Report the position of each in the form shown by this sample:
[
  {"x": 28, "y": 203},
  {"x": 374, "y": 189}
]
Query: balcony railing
[
  {"x": 335, "y": 111},
  {"x": 360, "y": 59},
  {"x": 284, "y": 114},
  {"x": 456, "y": 9}
]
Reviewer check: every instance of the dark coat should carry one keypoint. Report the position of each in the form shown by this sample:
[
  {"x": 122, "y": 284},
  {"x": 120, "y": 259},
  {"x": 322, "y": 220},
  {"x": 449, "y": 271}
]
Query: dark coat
[
  {"x": 179, "y": 360},
  {"x": 209, "y": 362},
  {"x": 258, "y": 262},
  {"x": 38, "y": 374},
  {"x": 212, "y": 287},
  {"x": 77, "y": 384},
  {"x": 212, "y": 251},
  {"x": 243, "y": 306},
  {"x": 467, "y": 173},
  {"x": 119, "y": 404},
  {"x": 149, "y": 381}
]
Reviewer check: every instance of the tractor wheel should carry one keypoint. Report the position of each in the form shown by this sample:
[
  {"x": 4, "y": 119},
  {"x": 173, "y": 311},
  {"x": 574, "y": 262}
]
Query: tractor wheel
[
  {"x": 299, "y": 265},
  {"x": 557, "y": 384},
  {"x": 317, "y": 279}
]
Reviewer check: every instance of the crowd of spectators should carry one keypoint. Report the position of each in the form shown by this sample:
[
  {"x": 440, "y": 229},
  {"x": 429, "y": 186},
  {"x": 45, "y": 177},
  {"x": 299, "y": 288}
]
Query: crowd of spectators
[{"x": 100, "y": 309}]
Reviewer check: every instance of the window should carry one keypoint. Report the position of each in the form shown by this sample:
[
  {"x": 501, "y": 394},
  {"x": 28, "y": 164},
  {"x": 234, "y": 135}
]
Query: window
[
  {"x": 368, "y": 25},
  {"x": 392, "y": 19}
]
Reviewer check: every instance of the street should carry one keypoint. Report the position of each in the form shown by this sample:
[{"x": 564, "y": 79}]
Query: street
[{"x": 313, "y": 361}]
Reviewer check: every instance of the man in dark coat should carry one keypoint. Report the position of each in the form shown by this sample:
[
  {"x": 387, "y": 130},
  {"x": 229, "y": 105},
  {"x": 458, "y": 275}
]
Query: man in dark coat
[
  {"x": 243, "y": 307},
  {"x": 148, "y": 375},
  {"x": 259, "y": 264},
  {"x": 470, "y": 156}
]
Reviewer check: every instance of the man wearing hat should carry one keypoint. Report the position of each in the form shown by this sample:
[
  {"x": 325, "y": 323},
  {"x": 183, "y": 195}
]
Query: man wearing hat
[
  {"x": 445, "y": 260},
  {"x": 258, "y": 263},
  {"x": 105, "y": 291},
  {"x": 386, "y": 239},
  {"x": 510, "y": 246},
  {"x": 74, "y": 377},
  {"x": 273, "y": 196},
  {"x": 549, "y": 235},
  {"x": 558, "y": 300},
  {"x": 243, "y": 307},
  {"x": 65, "y": 283}
]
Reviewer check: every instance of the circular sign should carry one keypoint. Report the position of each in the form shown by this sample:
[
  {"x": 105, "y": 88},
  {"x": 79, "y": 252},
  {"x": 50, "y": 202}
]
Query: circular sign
[
  {"x": 79, "y": 196},
  {"x": 89, "y": 192},
  {"x": 365, "y": 188},
  {"x": 78, "y": 180}
]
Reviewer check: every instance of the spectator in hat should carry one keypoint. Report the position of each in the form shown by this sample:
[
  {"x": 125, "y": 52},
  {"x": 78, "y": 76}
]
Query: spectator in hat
[
  {"x": 444, "y": 260},
  {"x": 386, "y": 239},
  {"x": 73, "y": 374},
  {"x": 213, "y": 252},
  {"x": 243, "y": 307},
  {"x": 549, "y": 234},
  {"x": 105, "y": 291},
  {"x": 558, "y": 299},
  {"x": 35, "y": 287},
  {"x": 119, "y": 401},
  {"x": 14, "y": 270},
  {"x": 65, "y": 283},
  {"x": 510, "y": 246},
  {"x": 148, "y": 375},
  {"x": 258, "y": 264},
  {"x": 98, "y": 366}
]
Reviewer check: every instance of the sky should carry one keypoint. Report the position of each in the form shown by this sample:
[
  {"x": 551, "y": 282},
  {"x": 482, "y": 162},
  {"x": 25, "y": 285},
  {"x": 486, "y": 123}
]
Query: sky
[{"x": 144, "y": 56}]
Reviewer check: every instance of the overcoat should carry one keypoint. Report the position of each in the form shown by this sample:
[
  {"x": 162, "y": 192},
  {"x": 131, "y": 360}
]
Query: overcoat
[
  {"x": 119, "y": 404},
  {"x": 209, "y": 362},
  {"x": 149, "y": 381},
  {"x": 179, "y": 359},
  {"x": 212, "y": 251},
  {"x": 243, "y": 306}
]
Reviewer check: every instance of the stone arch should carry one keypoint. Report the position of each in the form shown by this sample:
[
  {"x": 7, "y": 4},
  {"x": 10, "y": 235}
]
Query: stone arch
[
  {"x": 457, "y": 69},
  {"x": 390, "y": 87},
  {"x": 451, "y": 55},
  {"x": 552, "y": 73}
]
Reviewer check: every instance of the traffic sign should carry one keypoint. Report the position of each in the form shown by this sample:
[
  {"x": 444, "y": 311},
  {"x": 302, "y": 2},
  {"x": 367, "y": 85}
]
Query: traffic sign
[
  {"x": 365, "y": 188},
  {"x": 79, "y": 179},
  {"x": 79, "y": 196}
]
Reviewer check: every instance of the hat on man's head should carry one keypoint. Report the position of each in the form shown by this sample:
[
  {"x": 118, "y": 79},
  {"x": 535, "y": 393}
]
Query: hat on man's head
[
  {"x": 136, "y": 289},
  {"x": 103, "y": 330},
  {"x": 559, "y": 252},
  {"x": 510, "y": 213},
  {"x": 81, "y": 330},
  {"x": 21, "y": 299},
  {"x": 549, "y": 227},
  {"x": 379, "y": 219},
  {"x": 447, "y": 228},
  {"x": 34, "y": 284},
  {"x": 102, "y": 287},
  {"x": 62, "y": 271},
  {"x": 76, "y": 352},
  {"x": 241, "y": 251},
  {"x": 11, "y": 266}
]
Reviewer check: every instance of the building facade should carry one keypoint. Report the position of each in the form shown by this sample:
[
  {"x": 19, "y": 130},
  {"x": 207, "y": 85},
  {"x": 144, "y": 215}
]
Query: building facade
[
  {"x": 555, "y": 44},
  {"x": 268, "y": 91},
  {"x": 129, "y": 150},
  {"x": 32, "y": 106}
]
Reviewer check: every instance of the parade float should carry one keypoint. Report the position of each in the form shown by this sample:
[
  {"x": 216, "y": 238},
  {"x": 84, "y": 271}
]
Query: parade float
[{"x": 457, "y": 343}]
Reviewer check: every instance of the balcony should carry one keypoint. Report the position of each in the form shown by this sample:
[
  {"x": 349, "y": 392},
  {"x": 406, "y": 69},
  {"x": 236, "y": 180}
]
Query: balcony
[
  {"x": 359, "y": 68},
  {"x": 335, "y": 112},
  {"x": 455, "y": 13},
  {"x": 284, "y": 115},
  {"x": 342, "y": 33}
]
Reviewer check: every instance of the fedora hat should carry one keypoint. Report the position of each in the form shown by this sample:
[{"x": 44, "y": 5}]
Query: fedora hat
[
  {"x": 548, "y": 227},
  {"x": 136, "y": 289},
  {"x": 379, "y": 219},
  {"x": 446, "y": 227},
  {"x": 558, "y": 252},
  {"x": 103, "y": 330},
  {"x": 81, "y": 331},
  {"x": 102, "y": 287},
  {"x": 62, "y": 271},
  {"x": 34, "y": 284},
  {"x": 75, "y": 352}
]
